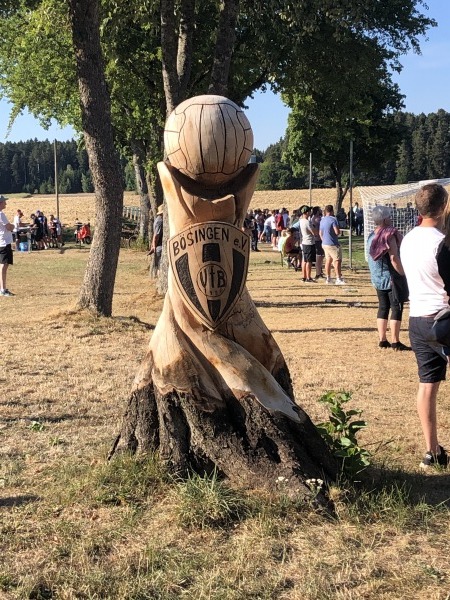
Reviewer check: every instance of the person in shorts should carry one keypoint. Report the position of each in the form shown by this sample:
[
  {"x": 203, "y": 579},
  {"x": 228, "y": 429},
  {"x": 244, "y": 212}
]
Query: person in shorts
[
  {"x": 425, "y": 257},
  {"x": 6, "y": 253},
  {"x": 315, "y": 218},
  {"x": 308, "y": 243},
  {"x": 329, "y": 233}
]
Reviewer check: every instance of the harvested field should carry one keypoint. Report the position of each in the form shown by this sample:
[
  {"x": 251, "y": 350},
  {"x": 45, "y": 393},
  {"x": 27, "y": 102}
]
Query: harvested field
[
  {"x": 82, "y": 206},
  {"x": 73, "y": 527}
]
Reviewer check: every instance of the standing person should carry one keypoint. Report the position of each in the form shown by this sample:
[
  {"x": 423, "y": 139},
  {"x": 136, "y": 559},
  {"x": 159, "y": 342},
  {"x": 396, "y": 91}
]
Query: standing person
[
  {"x": 316, "y": 217},
  {"x": 38, "y": 225},
  {"x": 329, "y": 234},
  {"x": 157, "y": 239},
  {"x": 308, "y": 243},
  {"x": 383, "y": 249},
  {"x": 6, "y": 253},
  {"x": 273, "y": 226},
  {"x": 17, "y": 222},
  {"x": 425, "y": 256},
  {"x": 52, "y": 237},
  {"x": 267, "y": 235}
]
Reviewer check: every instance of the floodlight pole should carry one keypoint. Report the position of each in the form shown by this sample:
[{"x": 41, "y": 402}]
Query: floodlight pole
[
  {"x": 351, "y": 205},
  {"x": 310, "y": 178},
  {"x": 56, "y": 179}
]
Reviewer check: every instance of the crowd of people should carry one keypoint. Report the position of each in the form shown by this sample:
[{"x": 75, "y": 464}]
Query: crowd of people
[
  {"x": 306, "y": 238},
  {"x": 416, "y": 268},
  {"x": 40, "y": 231}
]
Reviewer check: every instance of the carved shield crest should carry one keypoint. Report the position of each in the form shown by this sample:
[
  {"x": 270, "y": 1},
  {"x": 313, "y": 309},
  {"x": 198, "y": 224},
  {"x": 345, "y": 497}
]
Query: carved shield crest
[{"x": 210, "y": 262}]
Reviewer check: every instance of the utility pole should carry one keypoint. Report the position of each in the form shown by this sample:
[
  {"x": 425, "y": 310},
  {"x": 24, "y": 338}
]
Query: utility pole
[
  {"x": 351, "y": 205},
  {"x": 56, "y": 179},
  {"x": 310, "y": 178}
]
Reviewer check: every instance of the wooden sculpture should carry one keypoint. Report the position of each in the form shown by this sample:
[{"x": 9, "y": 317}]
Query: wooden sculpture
[{"x": 214, "y": 389}]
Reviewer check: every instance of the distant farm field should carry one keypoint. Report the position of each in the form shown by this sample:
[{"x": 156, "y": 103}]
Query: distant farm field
[{"x": 82, "y": 206}]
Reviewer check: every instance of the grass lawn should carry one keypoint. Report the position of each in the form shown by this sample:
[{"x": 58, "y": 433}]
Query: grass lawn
[{"x": 74, "y": 527}]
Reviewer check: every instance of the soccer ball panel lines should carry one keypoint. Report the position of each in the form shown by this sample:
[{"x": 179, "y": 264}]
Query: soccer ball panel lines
[{"x": 209, "y": 139}]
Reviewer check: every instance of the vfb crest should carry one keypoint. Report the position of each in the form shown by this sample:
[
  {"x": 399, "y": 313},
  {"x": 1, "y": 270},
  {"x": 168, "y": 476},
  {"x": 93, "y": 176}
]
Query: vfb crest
[{"x": 209, "y": 262}]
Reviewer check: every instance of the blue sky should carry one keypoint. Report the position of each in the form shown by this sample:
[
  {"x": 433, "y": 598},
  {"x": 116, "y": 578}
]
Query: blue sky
[{"x": 425, "y": 81}]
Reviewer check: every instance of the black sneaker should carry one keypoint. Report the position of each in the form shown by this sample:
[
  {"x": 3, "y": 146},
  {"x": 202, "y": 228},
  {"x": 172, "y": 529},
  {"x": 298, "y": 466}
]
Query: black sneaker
[
  {"x": 384, "y": 344},
  {"x": 399, "y": 347},
  {"x": 435, "y": 460}
]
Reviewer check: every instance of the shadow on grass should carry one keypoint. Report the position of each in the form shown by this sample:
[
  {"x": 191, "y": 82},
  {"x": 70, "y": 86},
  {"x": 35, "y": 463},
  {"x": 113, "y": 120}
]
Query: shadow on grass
[
  {"x": 12, "y": 501},
  {"x": 328, "y": 329},
  {"x": 315, "y": 303},
  {"x": 431, "y": 487}
]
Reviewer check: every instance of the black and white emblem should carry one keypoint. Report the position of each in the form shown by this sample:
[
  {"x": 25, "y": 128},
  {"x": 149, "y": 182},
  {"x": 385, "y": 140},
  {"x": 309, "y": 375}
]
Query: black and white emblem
[{"x": 209, "y": 262}]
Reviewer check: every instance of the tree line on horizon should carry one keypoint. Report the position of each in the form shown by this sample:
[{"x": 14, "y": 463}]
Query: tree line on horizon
[
  {"x": 423, "y": 153},
  {"x": 29, "y": 167}
]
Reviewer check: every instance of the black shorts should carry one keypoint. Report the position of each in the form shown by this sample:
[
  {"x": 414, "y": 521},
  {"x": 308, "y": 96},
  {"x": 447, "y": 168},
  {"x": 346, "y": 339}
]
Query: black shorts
[
  {"x": 387, "y": 301},
  {"x": 430, "y": 357},
  {"x": 319, "y": 249},
  {"x": 309, "y": 252},
  {"x": 6, "y": 255}
]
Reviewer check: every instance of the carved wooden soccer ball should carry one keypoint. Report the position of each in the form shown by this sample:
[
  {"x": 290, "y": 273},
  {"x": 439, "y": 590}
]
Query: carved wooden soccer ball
[{"x": 209, "y": 139}]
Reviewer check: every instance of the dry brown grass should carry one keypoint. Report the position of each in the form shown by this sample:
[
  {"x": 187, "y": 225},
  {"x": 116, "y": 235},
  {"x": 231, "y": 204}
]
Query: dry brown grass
[{"x": 73, "y": 528}]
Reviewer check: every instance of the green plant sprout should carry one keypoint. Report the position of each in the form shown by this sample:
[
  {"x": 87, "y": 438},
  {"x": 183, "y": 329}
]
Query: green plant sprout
[{"x": 340, "y": 431}]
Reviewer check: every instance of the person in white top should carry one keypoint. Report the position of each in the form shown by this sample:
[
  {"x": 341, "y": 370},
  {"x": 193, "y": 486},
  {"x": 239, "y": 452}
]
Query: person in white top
[
  {"x": 16, "y": 222},
  {"x": 426, "y": 262},
  {"x": 6, "y": 254}
]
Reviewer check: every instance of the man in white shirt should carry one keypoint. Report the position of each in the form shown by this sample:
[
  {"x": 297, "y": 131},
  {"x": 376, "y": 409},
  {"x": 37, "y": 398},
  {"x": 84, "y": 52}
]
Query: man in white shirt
[
  {"x": 308, "y": 243},
  {"x": 6, "y": 255},
  {"x": 426, "y": 262},
  {"x": 16, "y": 222}
]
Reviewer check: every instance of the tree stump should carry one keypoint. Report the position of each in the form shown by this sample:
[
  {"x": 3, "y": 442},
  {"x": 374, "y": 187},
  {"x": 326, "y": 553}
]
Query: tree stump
[{"x": 213, "y": 390}]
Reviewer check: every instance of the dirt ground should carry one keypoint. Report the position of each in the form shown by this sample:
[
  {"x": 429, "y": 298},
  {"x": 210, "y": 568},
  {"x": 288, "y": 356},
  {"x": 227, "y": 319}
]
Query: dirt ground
[
  {"x": 327, "y": 345},
  {"x": 63, "y": 384}
]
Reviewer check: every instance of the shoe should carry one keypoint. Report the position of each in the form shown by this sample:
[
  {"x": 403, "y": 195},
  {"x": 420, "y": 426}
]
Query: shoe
[
  {"x": 329, "y": 281},
  {"x": 399, "y": 347},
  {"x": 309, "y": 280},
  {"x": 384, "y": 344},
  {"x": 340, "y": 281},
  {"x": 435, "y": 460},
  {"x": 320, "y": 276},
  {"x": 304, "y": 279},
  {"x": 6, "y": 293}
]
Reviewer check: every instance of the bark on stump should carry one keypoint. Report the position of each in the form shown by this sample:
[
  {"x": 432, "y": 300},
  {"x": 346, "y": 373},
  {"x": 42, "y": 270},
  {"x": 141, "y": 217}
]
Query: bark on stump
[{"x": 213, "y": 390}]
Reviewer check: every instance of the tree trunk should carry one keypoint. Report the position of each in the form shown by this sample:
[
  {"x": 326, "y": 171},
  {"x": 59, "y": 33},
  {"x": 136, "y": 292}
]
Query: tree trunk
[
  {"x": 226, "y": 34},
  {"x": 98, "y": 285},
  {"x": 217, "y": 393},
  {"x": 169, "y": 52},
  {"x": 142, "y": 190},
  {"x": 341, "y": 191},
  {"x": 185, "y": 45}
]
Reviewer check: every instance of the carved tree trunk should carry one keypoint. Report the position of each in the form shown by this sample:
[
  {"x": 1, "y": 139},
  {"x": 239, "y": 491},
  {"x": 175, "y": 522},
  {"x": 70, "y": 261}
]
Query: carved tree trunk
[{"x": 214, "y": 390}]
